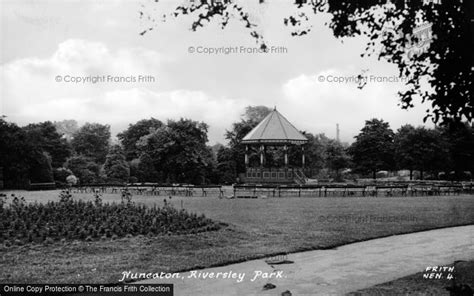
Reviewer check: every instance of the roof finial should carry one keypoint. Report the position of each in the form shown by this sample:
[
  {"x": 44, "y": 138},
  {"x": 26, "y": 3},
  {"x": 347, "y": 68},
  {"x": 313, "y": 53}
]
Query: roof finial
[{"x": 274, "y": 108}]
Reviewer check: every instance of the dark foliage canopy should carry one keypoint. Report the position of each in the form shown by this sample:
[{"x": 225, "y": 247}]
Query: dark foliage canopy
[
  {"x": 373, "y": 149},
  {"x": 92, "y": 140},
  {"x": 134, "y": 132}
]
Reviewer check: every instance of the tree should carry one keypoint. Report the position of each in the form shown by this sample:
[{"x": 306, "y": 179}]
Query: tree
[
  {"x": 373, "y": 148},
  {"x": 255, "y": 114},
  {"x": 84, "y": 168},
  {"x": 420, "y": 149},
  {"x": 45, "y": 137},
  {"x": 146, "y": 171},
  {"x": 447, "y": 66},
  {"x": 92, "y": 141},
  {"x": 116, "y": 166},
  {"x": 179, "y": 150},
  {"x": 15, "y": 155},
  {"x": 336, "y": 157},
  {"x": 40, "y": 170},
  {"x": 315, "y": 151},
  {"x": 66, "y": 128},
  {"x": 251, "y": 117},
  {"x": 460, "y": 137},
  {"x": 226, "y": 165},
  {"x": 26, "y": 153},
  {"x": 134, "y": 132}
]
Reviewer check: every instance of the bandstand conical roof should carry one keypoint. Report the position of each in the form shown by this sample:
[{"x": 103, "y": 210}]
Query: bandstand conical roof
[{"x": 274, "y": 129}]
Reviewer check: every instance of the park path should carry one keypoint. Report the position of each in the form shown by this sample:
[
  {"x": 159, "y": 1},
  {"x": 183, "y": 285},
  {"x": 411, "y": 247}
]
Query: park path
[{"x": 339, "y": 270}]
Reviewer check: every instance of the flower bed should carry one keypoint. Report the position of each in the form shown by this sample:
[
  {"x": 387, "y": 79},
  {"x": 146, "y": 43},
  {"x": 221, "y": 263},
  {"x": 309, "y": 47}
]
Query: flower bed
[{"x": 69, "y": 219}]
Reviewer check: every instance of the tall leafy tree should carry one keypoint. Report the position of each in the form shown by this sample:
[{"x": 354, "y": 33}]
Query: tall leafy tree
[
  {"x": 84, "y": 168},
  {"x": 40, "y": 170},
  {"x": 92, "y": 141},
  {"x": 44, "y": 136},
  {"x": 421, "y": 149},
  {"x": 336, "y": 157},
  {"x": 116, "y": 166},
  {"x": 461, "y": 147},
  {"x": 134, "y": 132},
  {"x": 373, "y": 148},
  {"x": 226, "y": 165},
  {"x": 24, "y": 155},
  {"x": 251, "y": 117},
  {"x": 314, "y": 152},
  {"x": 146, "y": 171},
  {"x": 66, "y": 128},
  {"x": 15, "y": 155},
  {"x": 179, "y": 150}
]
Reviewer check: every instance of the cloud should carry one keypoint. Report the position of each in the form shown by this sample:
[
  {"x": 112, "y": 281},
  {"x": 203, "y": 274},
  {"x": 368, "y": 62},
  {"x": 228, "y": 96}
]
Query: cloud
[
  {"x": 31, "y": 81},
  {"x": 32, "y": 93},
  {"x": 181, "y": 88}
]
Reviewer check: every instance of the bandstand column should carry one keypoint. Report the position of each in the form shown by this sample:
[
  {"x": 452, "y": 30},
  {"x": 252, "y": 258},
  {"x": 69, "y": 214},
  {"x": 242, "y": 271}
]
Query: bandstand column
[
  {"x": 302, "y": 156},
  {"x": 285, "y": 148},
  {"x": 246, "y": 155},
  {"x": 262, "y": 155}
]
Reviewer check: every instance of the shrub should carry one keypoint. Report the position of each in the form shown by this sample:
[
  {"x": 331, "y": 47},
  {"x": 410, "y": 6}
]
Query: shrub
[
  {"x": 126, "y": 196},
  {"x": 3, "y": 200},
  {"x": 61, "y": 174},
  {"x": 65, "y": 196},
  {"x": 71, "y": 180},
  {"x": 97, "y": 198},
  {"x": 70, "y": 219}
]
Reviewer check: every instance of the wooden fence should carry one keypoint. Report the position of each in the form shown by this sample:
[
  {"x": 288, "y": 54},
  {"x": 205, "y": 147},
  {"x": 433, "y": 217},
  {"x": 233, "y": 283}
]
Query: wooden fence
[
  {"x": 276, "y": 191},
  {"x": 154, "y": 190},
  {"x": 255, "y": 191}
]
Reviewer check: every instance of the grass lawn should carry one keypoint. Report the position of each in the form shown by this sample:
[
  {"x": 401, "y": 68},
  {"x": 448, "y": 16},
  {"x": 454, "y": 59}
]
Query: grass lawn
[
  {"x": 417, "y": 285},
  {"x": 257, "y": 228}
]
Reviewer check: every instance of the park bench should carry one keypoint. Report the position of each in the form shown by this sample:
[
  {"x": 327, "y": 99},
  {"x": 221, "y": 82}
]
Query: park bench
[{"x": 42, "y": 186}]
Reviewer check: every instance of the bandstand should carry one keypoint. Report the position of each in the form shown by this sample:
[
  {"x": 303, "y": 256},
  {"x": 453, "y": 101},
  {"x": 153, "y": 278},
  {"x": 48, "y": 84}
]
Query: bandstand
[{"x": 273, "y": 131}]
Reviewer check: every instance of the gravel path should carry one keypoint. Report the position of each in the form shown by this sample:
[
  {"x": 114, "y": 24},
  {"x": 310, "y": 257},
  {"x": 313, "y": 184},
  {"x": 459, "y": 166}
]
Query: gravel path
[{"x": 336, "y": 271}]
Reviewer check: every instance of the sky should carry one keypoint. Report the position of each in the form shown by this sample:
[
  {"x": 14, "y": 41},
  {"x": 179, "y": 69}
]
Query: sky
[{"x": 86, "y": 60}]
